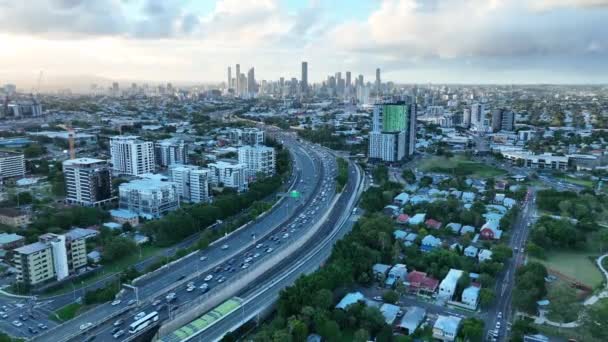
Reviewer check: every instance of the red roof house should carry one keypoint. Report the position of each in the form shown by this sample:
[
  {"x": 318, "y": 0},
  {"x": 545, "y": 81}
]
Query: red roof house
[{"x": 431, "y": 223}]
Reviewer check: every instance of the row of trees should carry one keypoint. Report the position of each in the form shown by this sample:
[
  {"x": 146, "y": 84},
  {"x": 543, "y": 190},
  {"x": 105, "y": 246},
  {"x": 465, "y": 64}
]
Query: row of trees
[{"x": 342, "y": 176}]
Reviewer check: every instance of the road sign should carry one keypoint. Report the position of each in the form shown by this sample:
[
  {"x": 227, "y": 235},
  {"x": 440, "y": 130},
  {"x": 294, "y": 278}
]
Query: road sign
[{"x": 294, "y": 194}]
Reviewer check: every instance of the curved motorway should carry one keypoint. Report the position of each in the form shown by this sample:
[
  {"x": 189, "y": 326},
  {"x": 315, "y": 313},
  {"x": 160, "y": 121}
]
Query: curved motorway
[{"x": 313, "y": 178}]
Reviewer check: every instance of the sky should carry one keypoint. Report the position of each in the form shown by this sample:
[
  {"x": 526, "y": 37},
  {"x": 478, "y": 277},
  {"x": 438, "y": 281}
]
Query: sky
[{"x": 412, "y": 41}]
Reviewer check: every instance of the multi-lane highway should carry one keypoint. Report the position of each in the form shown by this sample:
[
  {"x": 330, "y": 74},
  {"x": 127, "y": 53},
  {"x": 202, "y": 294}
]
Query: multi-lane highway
[
  {"x": 224, "y": 259},
  {"x": 265, "y": 290}
]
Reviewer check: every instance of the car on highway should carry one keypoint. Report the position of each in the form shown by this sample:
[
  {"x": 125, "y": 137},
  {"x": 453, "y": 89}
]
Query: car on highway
[
  {"x": 4, "y": 315},
  {"x": 224, "y": 247},
  {"x": 285, "y": 236},
  {"x": 119, "y": 322},
  {"x": 115, "y": 330},
  {"x": 86, "y": 325},
  {"x": 17, "y": 323},
  {"x": 245, "y": 265},
  {"x": 378, "y": 298},
  {"x": 131, "y": 302},
  {"x": 156, "y": 302},
  {"x": 256, "y": 255},
  {"x": 203, "y": 258},
  {"x": 139, "y": 316},
  {"x": 209, "y": 277},
  {"x": 248, "y": 260},
  {"x": 170, "y": 296},
  {"x": 269, "y": 250},
  {"x": 23, "y": 318},
  {"x": 116, "y": 302},
  {"x": 119, "y": 333},
  {"x": 221, "y": 279}
]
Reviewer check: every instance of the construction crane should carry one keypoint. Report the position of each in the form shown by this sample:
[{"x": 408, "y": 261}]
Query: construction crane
[{"x": 70, "y": 139}]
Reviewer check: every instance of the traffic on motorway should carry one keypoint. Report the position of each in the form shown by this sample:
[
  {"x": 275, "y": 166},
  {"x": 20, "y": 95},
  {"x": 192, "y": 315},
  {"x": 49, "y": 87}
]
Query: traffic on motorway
[{"x": 219, "y": 264}]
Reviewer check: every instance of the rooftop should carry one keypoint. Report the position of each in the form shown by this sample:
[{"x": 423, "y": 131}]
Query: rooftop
[
  {"x": 9, "y": 238},
  {"x": 83, "y": 161},
  {"x": 32, "y": 248}
]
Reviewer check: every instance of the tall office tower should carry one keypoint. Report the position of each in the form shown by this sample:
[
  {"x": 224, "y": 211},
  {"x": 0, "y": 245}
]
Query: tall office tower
[
  {"x": 238, "y": 79},
  {"x": 251, "y": 86},
  {"x": 170, "y": 151},
  {"x": 242, "y": 85},
  {"x": 502, "y": 120},
  {"x": 228, "y": 85},
  {"x": 88, "y": 181},
  {"x": 466, "y": 118},
  {"x": 304, "y": 78},
  {"x": 477, "y": 115},
  {"x": 378, "y": 80},
  {"x": 132, "y": 156},
  {"x": 393, "y": 134},
  {"x": 293, "y": 86},
  {"x": 348, "y": 79},
  {"x": 361, "y": 83},
  {"x": 282, "y": 86},
  {"x": 115, "y": 89}
]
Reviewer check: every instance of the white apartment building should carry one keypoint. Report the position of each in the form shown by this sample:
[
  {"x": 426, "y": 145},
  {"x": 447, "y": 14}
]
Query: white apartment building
[
  {"x": 53, "y": 257},
  {"x": 132, "y": 156},
  {"x": 447, "y": 287},
  {"x": 388, "y": 147},
  {"x": 88, "y": 181},
  {"x": 258, "y": 159},
  {"x": 192, "y": 182},
  {"x": 11, "y": 165},
  {"x": 246, "y": 136},
  {"x": 150, "y": 197},
  {"x": 171, "y": 151},
  {"x": 230, "y": 175}
]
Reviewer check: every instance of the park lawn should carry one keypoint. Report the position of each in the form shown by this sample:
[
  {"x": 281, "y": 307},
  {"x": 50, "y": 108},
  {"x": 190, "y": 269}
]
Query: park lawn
[
  {"x": 66, "y": 313},
  {"x": 574, "y": 264},
  {"x": 111, "y": 268},
  {"x": 460, "y": 166},
  {"x": 578, "y": 181}
]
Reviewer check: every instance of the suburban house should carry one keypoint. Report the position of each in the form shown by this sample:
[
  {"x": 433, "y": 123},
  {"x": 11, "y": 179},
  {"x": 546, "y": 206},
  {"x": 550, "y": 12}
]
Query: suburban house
[
  {"x": 470, "y": 297},
  {"x": 467, "y": 229},
  {"x": 401, "y": 199},
  {"x": 380, "y": 270},
  {"x": 402, "y": 218},
  {"x": 454, "y": 227},
  {"x": 433, "y": 224},
  {"x": 399, "y": 234},
  {"x": 420, "y": 283},
  {"x": 468, "y": 197},
  {"x": 490, "y": 231},
  {"x": 391, "y": 210},
  {"x": 419, "y": 199},
  {"x": 10, "y": 241},
  {"x": 390, "y": 312},
  {"x": 509, "y": 202},
  {"x": 14, "y": 217},
  {"x": 349, "y": 299},
  {"x": 446, "y": 327},
  {"x": 412, "y": 319},
  {"x": 397, "y": 273},
  {"x": 429, "y": 243},
  {"x": 417, "y": 219},
  {"x": 471, "y": 251},
  {"x": 410, "y": 239},
  {"x": 447, "y": 287},
  {"x": 484, "y": 255}
]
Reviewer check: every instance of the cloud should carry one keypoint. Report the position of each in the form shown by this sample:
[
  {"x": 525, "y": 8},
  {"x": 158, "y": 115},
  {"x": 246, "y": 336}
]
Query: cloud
[
  {"x": 406, "y": 30},
  {"x": 545, "y": 5}
]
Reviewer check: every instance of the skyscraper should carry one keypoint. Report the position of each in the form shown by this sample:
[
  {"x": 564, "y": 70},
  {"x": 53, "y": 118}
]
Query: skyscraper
[
  {"x": 228, "y": 85},
  {"x": 360, "y": 80},
  {"x": 87, "y": 181},
  {"x": 132, "y": 156},
  {"x": 304, "y": 78},
  {"x": 348, "y": 79},
  {"x": 378, "y": 80},
  {"x": 238, "y": 79},
  {"x": 251, "y": 86},
  {"x": 502, "y": 119}
]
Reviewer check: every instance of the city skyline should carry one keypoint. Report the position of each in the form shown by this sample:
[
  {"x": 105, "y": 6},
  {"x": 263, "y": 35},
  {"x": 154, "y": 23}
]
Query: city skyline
[{"x": 412, "y": 41}]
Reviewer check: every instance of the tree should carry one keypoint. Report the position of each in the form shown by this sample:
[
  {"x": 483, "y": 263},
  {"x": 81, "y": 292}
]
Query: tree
[
  {"x": 34, "y": 151},
  {"x": 126, "y": 227},
  {"x": 472, "y": 329},
  {"x": 331, "y": 331},
  {"x": 486, "y": 297},
  {"x": 117, "y": 248},
  {"x": 409, "y": 176},
  {"x": 426, "y": 181},
  {"x": 564, "y": 306},
  {"x": 390, "y": 296},
  {"x": 323, "y": 299},
  {"x": 501, "y": 252},
  {"x": 298, "y": 330},
  {"x": 520, "y": 328},
  {"x": 596, "y": 319},
  {"x": 361, "y": 335}
]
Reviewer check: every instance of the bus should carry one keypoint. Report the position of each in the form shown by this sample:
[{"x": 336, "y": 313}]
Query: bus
[{"x": 144, "y": 322}]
